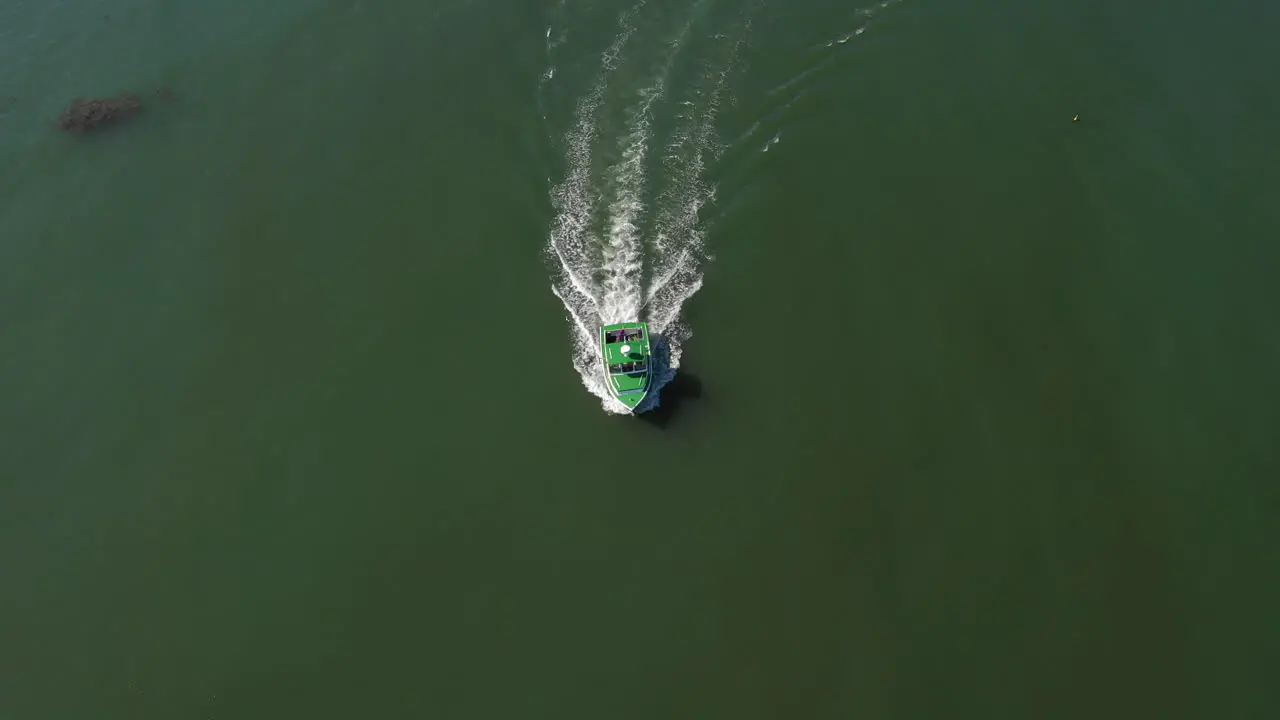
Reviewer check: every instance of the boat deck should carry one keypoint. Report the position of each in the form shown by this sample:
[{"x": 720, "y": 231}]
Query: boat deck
[{"x": 627, "y": 373}]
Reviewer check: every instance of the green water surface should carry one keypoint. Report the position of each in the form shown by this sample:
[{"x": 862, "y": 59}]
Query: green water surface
[{"x": 978, "y": 416}]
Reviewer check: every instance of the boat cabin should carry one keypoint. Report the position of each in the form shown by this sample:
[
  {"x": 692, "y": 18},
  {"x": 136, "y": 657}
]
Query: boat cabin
[{"x": 624, "y": 335}]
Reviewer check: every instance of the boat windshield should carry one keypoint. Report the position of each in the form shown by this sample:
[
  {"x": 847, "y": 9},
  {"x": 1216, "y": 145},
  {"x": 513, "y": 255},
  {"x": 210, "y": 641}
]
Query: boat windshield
[
  {"x": 624, "y": 335},
  {"x": 625, "y": 368}
]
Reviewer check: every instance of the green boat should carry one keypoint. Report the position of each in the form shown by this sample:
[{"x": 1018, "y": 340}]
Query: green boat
[{"x": 625, "y": 350}]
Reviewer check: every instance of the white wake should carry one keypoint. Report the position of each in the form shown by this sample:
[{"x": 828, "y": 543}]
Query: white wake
[{"x": 620, "y": 251}]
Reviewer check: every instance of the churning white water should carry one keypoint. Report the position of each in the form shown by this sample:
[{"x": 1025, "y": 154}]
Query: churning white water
[{"x": 626, "y": 242}]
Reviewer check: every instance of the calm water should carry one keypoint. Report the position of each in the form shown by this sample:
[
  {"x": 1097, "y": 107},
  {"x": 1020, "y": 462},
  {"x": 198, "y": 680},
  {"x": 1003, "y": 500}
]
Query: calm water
[{"x": 974, "y": 408}]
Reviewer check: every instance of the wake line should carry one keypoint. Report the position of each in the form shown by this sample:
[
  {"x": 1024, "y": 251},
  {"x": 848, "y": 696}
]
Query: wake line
[
  {"x": 575, "y": 206},
  {"x": 598, "y": 238},
  {"x": 679, "y": 280},
  {"x": 624, "y": 262}
]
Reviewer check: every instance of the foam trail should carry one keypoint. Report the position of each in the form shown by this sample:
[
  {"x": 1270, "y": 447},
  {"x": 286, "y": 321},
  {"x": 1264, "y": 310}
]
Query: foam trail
[
  {"x": 572, "y": 241},
  {"x": 623, "y": 254},
  {"x": 678, "y": 227},
  {"x": 598, "y": 239}
]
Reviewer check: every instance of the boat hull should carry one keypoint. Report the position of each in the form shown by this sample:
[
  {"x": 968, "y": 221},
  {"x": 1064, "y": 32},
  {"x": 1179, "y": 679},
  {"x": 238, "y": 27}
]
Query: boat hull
[{"x": 625, "y": 356}]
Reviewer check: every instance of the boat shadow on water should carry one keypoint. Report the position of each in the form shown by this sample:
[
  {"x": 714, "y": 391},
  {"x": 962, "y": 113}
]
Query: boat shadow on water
[
  {"x": 677, "y": 393},
  {"x": 683, "y": 388}
]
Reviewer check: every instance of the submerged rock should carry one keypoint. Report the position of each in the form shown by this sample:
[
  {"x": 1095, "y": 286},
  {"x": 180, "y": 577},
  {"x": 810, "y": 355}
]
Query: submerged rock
[{"x": 85, "y": 115}]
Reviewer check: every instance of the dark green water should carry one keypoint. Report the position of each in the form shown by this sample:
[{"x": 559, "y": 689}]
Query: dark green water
[{"x": 976, "y": 410}]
